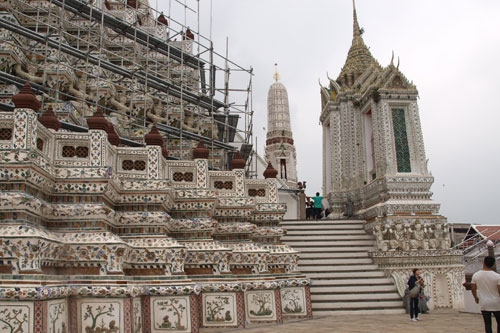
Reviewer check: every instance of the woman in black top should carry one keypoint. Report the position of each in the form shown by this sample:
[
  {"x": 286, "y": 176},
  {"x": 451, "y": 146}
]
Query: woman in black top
[{"x": 414, "y": 279}]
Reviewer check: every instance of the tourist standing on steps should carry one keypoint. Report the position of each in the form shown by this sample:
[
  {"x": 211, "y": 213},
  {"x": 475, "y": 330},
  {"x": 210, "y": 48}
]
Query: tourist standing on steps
[
  {"x": 309, "y": 210},
  {"x": 486, "y": 292},
  {"x": 317, "y": 206},
  {"x": 415, "y": 280}
]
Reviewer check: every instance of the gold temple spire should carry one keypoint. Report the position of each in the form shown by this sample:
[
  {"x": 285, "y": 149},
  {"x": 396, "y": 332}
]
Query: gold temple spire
[{"x": 276, "y": 74}]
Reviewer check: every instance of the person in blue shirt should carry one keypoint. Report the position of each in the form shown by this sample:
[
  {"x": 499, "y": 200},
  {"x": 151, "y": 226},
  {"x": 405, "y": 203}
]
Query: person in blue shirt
[{"x": 317, "y": 205}]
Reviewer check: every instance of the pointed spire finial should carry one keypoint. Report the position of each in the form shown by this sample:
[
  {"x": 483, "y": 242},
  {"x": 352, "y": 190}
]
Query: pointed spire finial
[
  {"x": 356, "y": 29},
  {"x": 398, "y": 63},
  {"x": 270, "y": 172},
  {"x": 49, "y": 119},
  {"x": 276, "y": 74},
  {"x": 392, "y": 59},
  {"x": 26, "y": 98}
]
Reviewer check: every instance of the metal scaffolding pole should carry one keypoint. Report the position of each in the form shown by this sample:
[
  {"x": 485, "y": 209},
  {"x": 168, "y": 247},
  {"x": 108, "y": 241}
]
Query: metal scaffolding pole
[{"x": 104, "y": 56}]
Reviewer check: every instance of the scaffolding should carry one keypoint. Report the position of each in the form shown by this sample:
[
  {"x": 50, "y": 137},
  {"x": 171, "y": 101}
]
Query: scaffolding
[{"x": 138, "y": 64}]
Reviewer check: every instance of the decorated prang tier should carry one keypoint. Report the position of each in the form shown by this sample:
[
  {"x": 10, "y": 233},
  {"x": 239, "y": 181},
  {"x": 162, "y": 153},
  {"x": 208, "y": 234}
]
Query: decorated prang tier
[{"x": 98, "y": 236}]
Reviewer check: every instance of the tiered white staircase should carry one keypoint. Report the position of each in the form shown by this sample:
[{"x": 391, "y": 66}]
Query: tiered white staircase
[{"x": 334, "y": 254}]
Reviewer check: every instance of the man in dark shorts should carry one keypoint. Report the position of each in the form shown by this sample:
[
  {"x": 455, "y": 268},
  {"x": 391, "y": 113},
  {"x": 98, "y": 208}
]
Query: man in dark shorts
[
  {"x": 317, "y": 206},
  {"x": 486, "y": 292},
  {"x": 310, "y": 210}
]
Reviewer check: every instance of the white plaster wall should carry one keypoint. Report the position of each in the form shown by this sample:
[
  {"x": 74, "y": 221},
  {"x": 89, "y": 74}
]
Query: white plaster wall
[
  {"x": 261, "y": 165},
  {"x": 292, "y": 208},
  {"x": 328, "y": 157},
  {"x": 368, "y": 134}
]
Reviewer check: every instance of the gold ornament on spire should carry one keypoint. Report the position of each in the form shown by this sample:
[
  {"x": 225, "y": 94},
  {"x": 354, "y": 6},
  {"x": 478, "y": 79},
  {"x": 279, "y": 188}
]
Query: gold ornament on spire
[{"x": 276, "y": 74}]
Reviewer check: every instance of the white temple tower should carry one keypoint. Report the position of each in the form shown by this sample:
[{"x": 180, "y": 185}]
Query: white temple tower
[
  {"x": 374, "y": 162},
  {"x": 373, "y": 149},
  {"x": 280, "y": 150}
]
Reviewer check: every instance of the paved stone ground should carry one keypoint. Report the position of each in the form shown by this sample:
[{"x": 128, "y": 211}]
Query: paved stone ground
[{"x": 438, "y": 321}]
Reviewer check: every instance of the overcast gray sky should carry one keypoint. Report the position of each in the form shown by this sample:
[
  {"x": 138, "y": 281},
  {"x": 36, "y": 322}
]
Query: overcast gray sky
[{"x": 449, "y": 49}]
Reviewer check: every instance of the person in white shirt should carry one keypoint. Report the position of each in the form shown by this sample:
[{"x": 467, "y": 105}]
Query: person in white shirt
[{"x": 486, "y": 292}]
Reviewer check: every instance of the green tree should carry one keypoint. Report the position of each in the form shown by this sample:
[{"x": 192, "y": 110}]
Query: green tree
[
  {"x": 100, "y": 311},
  {"x": 216, "y": 306}
]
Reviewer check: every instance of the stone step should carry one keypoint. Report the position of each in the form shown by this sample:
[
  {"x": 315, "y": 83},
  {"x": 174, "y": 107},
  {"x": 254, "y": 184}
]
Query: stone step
[
  {"x": 344, "y": 275},
  {"x": 352, "y": 289},
  {"x": 344, "y": 279},
  {"x": 343, "y": 268},
  {"x": 323, "y": 227},
  {"x": 307, "y": 233},
  {"x": 337, "y": 249},
  {"x": 356, "y": 297},
  {"x": 324, "y": 255},
  {"x": 389, "y": 311},
  {"x": 314, "y": 222},
  {"x": 326, "y": 249},
  {"x": 343, "y": 305},
  {"x": 348, "y": 261},
  {"x": 353, "y": 243},
  {"x": 351, "y": 282},
  {"x": 295, "y": 238}
]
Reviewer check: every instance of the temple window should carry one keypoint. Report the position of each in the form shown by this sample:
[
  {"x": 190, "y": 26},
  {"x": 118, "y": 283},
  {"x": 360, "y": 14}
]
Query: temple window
[
  {"x": 39, "y": 144},
  {"x": 82, "y": 151},
  {"x": 257, "y": 192},
  {"x": 71, "y": 151},
  {"x": 128, "y": 165},
  {"x": 221, "y": 185},
  {"x": 283, "y": 168},
  {"x": 5, "y": 133},
  {"x": 182, "y": 176},
  {"x": 401, "y": 140}
]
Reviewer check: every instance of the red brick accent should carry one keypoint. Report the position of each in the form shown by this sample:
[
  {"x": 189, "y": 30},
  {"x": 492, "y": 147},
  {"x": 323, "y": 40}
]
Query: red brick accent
[
  {"x": 162, "y": 19},
  {"x": 280, "y": 139},
  {"x": 270, "y": 172},
  {"x": 277, "y": 301},
  {"x": 26, "y": 99},
  {"x": 308, "y": 302},
  {"x": 127, "y": 310},
  {"x": 200, "y": 151},
  {"x": 196, "y": 315},
  {"x": 49, "y": 119},
  {"x": 154, "y": 138},
  {"x": 237, "y": 162},
  {"x": 38, "y": 325},
  {"x": 240, "y": 308},
  {"x": 146, "y": 314},
  {"x": 73, "y": 315}
]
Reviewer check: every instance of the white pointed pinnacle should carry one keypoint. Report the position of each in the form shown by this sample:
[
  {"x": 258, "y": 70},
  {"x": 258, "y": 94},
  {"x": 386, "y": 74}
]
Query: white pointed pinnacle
[{"x": 328, "y": 76}]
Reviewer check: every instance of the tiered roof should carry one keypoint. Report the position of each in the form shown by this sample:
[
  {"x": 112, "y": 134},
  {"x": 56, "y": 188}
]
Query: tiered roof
[{"x": 358, "y": 59}]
